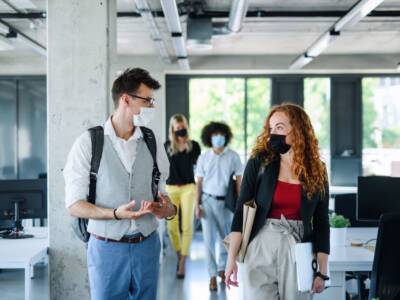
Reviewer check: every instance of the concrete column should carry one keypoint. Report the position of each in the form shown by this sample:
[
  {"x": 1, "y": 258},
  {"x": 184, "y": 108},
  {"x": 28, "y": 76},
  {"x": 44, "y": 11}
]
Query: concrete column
[{"x": 81, "y": 43}]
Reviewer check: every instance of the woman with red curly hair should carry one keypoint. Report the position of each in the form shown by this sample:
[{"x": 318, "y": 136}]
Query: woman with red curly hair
[{"x": 292, "y": 206}]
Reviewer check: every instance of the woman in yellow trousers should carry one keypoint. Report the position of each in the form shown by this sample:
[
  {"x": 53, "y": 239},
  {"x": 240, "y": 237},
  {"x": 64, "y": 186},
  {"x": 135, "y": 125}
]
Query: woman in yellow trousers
[{"x": 182, "y": 153}]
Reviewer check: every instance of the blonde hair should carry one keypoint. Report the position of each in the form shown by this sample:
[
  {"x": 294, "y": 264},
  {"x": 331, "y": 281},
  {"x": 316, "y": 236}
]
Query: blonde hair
[
  {"x": 173, "y": 147},
  {"x": 307, "y": 162}
]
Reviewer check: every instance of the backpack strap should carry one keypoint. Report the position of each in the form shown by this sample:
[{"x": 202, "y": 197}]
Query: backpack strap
[
  {"x": 97, "y": 138},
  {"x": 150, "y": 140}
]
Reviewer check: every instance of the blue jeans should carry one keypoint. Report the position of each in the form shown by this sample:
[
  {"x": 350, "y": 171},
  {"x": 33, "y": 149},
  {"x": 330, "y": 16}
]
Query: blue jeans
[
  {"x": 216, "y": 225},
  {"x": 120, "y": 271}
]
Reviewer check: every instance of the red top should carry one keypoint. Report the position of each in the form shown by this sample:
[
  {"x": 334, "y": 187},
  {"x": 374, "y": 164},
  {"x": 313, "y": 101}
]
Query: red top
[{"x": 286, "y": 201}]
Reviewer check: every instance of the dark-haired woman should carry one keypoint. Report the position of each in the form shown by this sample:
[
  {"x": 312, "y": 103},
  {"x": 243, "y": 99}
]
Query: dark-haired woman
[
  {"x": 292, "y": 199},
  {"x": 213, "y": 172}
]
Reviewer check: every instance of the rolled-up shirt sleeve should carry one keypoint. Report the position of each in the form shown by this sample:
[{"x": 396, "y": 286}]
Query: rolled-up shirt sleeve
[
  {"x": 77, "y": 169},
  {"x": 200, "y": 166},
  {"x": 163, "y": 166}
]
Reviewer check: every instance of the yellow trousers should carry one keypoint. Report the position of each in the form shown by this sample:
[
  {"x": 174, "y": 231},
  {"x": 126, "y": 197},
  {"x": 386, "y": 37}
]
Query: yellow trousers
[{"x": 184, "y": 198}]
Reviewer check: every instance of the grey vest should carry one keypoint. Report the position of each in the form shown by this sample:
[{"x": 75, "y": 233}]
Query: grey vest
[{"x": 115, "y": 186}]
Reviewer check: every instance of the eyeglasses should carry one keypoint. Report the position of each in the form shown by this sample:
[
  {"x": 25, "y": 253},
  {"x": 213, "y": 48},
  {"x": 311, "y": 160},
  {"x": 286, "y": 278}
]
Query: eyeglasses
[{"x": 149, "y": 100}]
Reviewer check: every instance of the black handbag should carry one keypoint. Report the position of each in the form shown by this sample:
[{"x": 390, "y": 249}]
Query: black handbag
[{"x": 231, "y": 195}]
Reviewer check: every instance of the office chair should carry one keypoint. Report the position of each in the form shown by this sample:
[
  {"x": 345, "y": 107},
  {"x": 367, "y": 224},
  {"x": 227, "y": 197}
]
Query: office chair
[
  {"x": 385, "y": 279},
  {"x": 346, "y": 205}
]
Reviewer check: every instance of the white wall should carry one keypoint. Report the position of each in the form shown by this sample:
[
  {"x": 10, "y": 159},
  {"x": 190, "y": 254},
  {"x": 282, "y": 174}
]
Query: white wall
[
  {"x": 26, "y": 65},
  {"x": 385, "y": 63}
]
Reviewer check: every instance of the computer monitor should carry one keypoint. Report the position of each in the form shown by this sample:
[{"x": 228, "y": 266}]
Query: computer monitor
[
  {"x": 21, "y": 199},
  {"x": 377, "y": 195}
]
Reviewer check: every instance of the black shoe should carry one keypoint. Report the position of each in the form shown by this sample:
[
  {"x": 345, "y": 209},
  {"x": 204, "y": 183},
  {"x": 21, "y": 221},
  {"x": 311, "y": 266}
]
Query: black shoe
[{"x": 179, "y": 276}]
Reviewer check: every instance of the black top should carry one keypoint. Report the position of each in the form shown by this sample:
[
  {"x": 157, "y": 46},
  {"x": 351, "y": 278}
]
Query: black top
[
  {"x": 181, "y": 164},
  {"x": 314, "y": 211}
]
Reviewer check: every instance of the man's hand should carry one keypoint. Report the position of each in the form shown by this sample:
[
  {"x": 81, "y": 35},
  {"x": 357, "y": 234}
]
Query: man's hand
[
  {"x": 199, "y": 212},
  {"x": 162, "y": 208},
  {"x": 125, "y": 211}
]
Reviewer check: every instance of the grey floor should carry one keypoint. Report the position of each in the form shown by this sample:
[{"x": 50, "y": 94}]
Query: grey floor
[
  {"x": 195, "y": 284},
  {"x": 193, "y": 287},
  {"x": 12, "y": 284}
]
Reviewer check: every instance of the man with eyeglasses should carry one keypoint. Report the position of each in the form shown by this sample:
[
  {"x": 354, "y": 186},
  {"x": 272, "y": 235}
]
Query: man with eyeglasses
[{"x": 124, "y": 246}]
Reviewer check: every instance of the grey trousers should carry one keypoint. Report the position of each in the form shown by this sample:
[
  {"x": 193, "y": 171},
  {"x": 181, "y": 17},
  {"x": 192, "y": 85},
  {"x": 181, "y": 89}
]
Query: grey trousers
[
  {"x": 269, "y": 264},
  {"x": 216, "y": 225}
]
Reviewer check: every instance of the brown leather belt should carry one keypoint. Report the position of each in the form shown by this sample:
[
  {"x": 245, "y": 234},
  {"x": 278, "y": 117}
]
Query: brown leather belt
[{"x": 128, "y": 240}]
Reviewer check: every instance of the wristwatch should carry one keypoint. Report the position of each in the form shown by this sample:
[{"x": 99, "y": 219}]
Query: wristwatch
[{"x": 322, "y": 276}]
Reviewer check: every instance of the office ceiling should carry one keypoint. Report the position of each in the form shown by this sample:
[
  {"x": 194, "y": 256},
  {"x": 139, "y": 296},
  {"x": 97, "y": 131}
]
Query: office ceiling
[{"x": 275, "y": 27}]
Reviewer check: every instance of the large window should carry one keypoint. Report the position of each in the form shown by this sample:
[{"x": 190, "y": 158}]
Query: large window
[
  {"x": 381, "y": 126},
  {"x": 8, "y": 129},
  {"x": 317, "y": 106},
  {"x": 242, "y": 103},
  {"x": 258, "y": 105},
  {"x": 218, "y": 99},
  {"x": 22, "y": 128}
]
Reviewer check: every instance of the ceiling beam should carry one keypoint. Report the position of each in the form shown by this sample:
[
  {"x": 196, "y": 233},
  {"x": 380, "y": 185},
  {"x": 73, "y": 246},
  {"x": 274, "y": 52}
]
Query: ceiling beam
[
  {"x": 29, "y": 16},
  {"x": 34, "y": 21},
  {"x": 225, "y": 14},
  {"x": 275, "y": 14},
  {"x": 173, "y": 21},
  {"x": 155, "y": 34},
  {"x": 26, "y": 39}
]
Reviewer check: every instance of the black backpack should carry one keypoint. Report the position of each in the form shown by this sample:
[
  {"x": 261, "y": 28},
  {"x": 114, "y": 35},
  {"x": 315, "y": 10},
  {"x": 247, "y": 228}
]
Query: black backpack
[{"x": 79, "y": 225}]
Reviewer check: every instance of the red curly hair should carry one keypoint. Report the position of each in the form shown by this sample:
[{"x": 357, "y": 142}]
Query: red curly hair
[{"x": 307, "y": 164}]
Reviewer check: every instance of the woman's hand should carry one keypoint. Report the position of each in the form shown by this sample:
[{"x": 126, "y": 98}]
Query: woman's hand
[
  {"x": 318, "y": 285},
  {"x": 231, "y": 274}
]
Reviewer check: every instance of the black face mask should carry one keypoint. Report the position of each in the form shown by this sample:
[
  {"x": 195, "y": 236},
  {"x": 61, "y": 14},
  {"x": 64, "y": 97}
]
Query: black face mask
[
  {"x": 277, "y": 143},
  {"x": 181, "y": 133}
]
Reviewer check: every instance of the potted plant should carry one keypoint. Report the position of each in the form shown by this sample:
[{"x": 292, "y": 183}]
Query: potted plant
[{"x": 339, "y": 226}]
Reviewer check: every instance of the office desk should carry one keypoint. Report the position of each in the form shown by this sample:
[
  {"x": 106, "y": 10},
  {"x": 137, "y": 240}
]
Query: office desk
[
  {"x": 348, "y": 258},
  {"x": 338, "y": 190},
  {"x": 25, "y": 253}
]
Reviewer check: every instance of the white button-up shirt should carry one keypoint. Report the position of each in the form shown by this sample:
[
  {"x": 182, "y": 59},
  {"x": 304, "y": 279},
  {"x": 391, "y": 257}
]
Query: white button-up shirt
[
  {"x": 216, "y": 169},
  {"x": 77, "y": 168}
]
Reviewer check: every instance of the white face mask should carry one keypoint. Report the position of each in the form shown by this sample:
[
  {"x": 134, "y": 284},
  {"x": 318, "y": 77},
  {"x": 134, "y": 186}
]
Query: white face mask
[{"x": 144, "y": 117}]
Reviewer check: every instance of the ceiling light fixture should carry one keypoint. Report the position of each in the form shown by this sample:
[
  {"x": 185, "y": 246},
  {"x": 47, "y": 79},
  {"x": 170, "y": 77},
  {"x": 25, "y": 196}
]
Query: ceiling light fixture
[
  {"x": 354, "y": 15},
  {"x": 171, "y": 15}
]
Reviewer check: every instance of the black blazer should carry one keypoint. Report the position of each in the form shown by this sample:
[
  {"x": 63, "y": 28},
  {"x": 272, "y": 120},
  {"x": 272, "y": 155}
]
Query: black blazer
[{"x": 314, "y": 211}]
